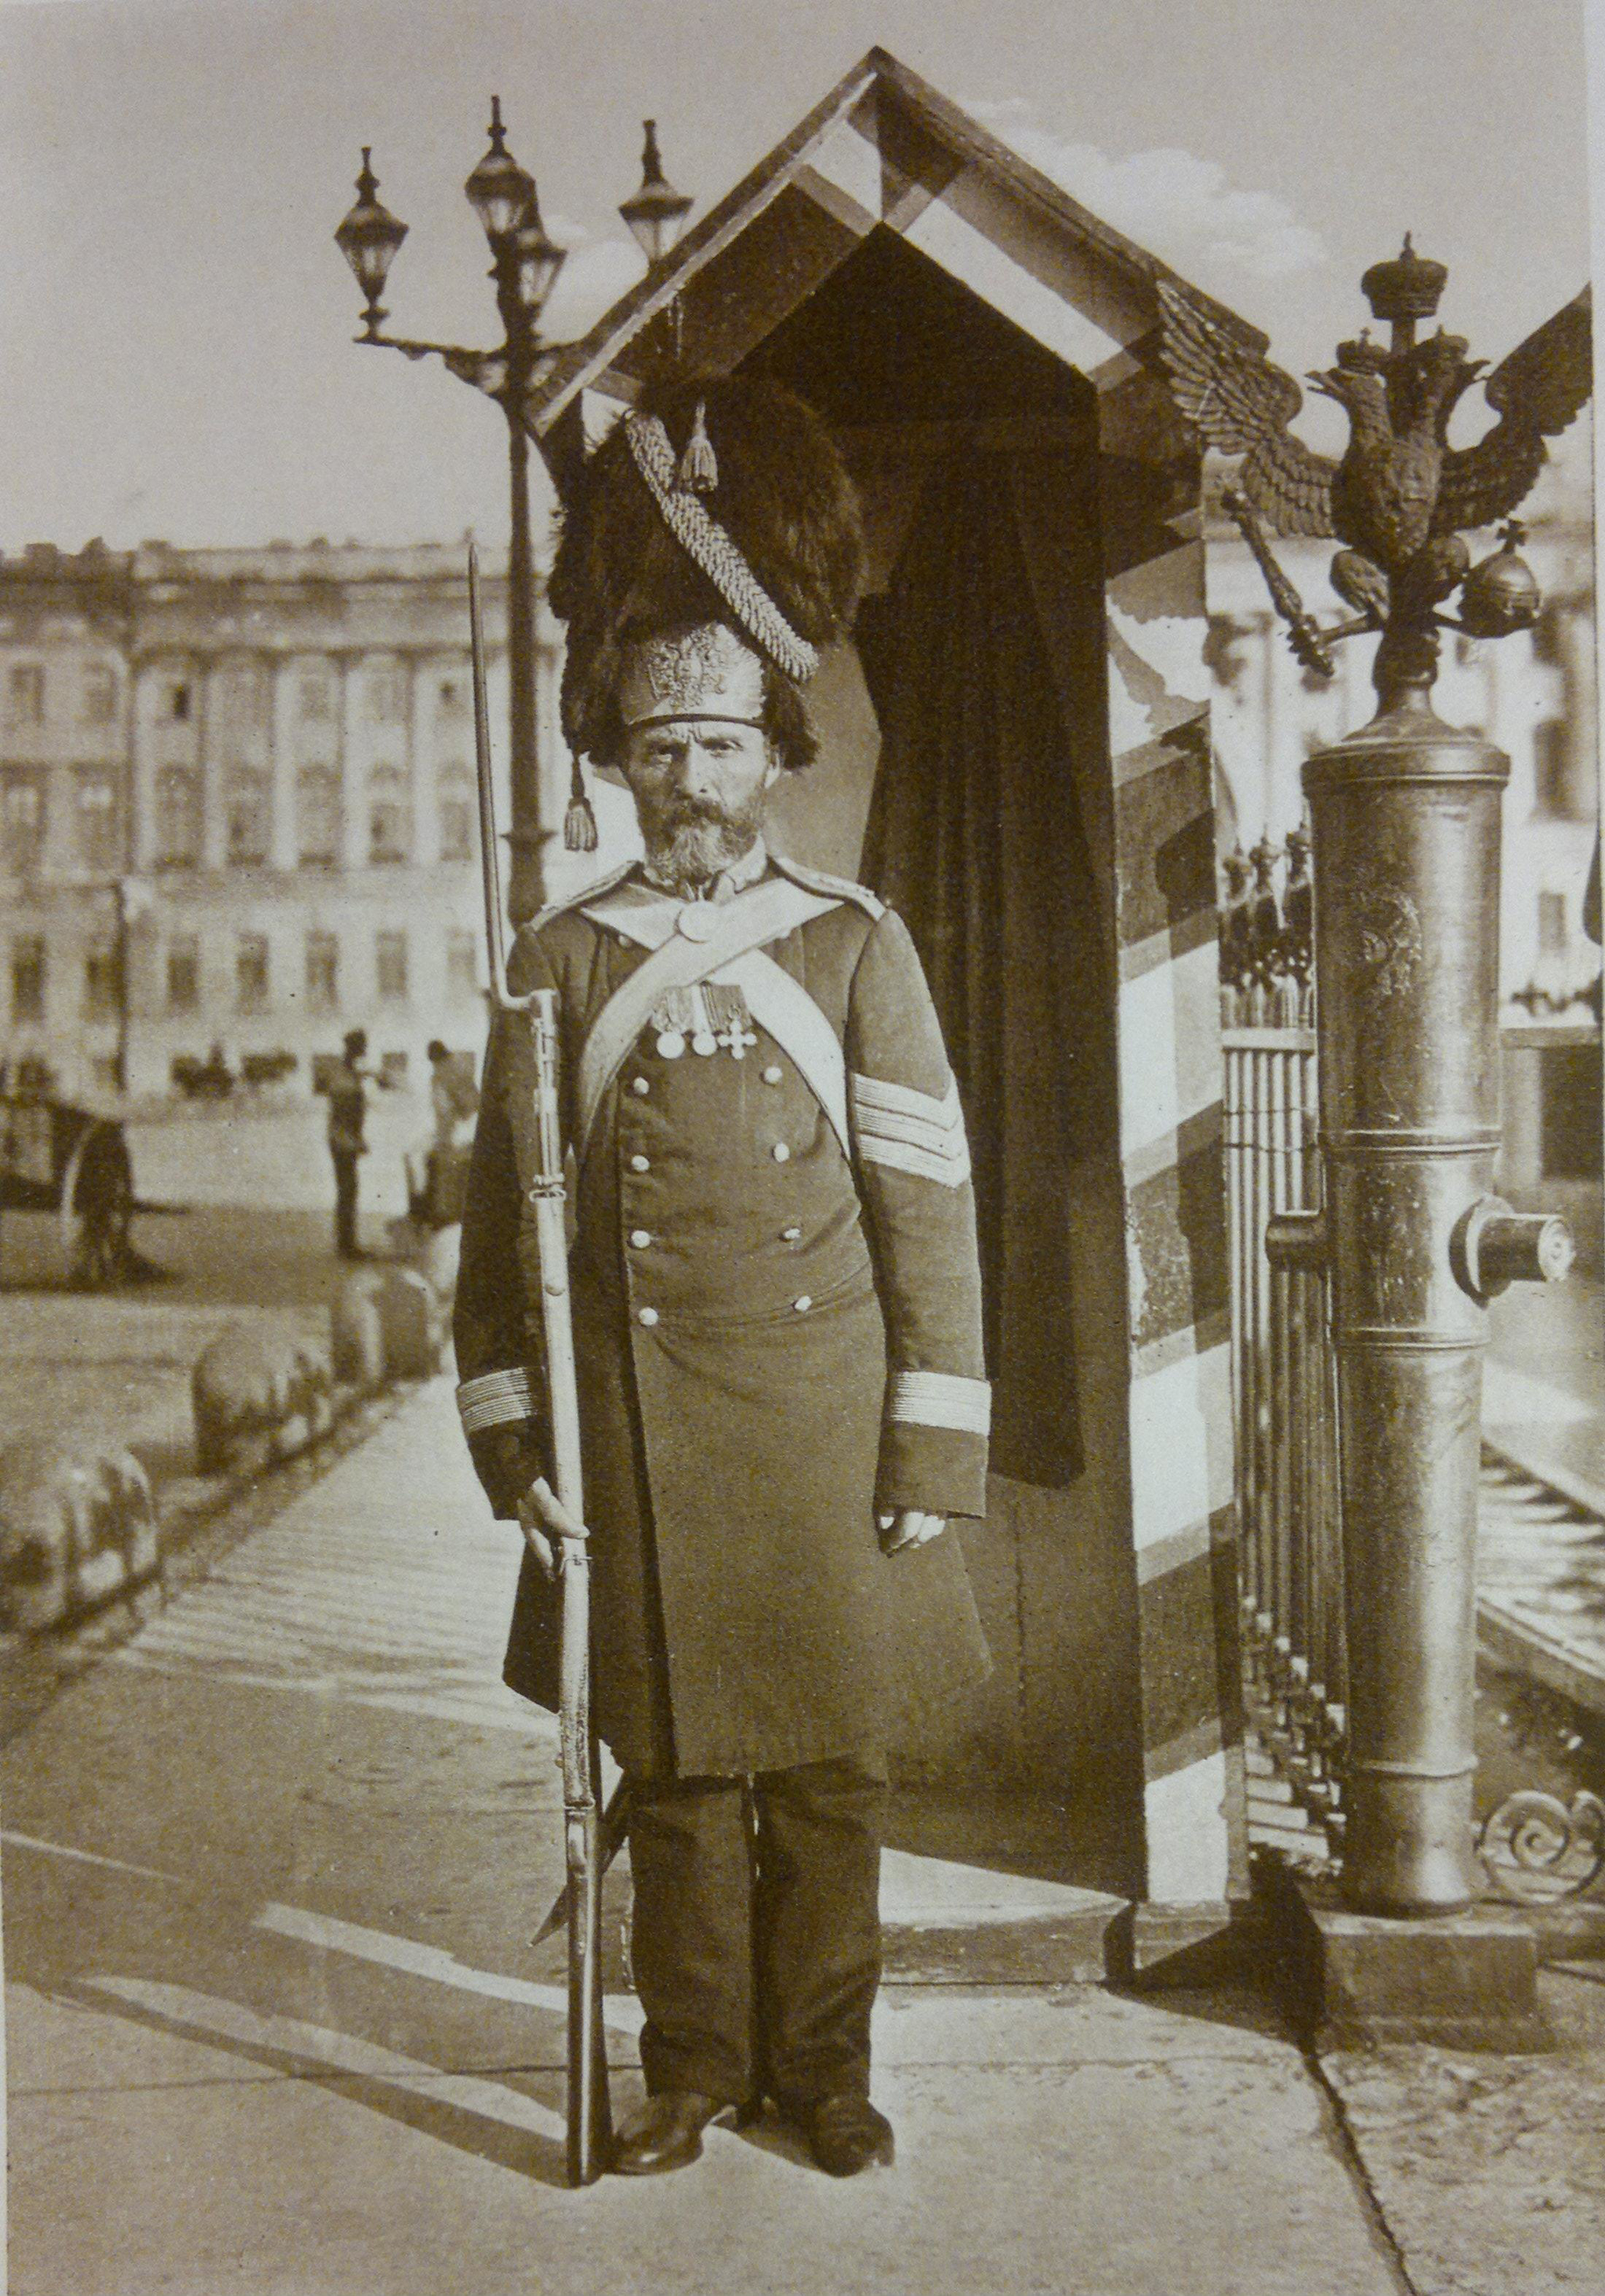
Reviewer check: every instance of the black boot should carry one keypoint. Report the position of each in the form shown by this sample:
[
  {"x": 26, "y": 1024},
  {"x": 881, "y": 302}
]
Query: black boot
[
  {"x": 665, "y": 2132},
  {"x": 845, "y": 2134}
]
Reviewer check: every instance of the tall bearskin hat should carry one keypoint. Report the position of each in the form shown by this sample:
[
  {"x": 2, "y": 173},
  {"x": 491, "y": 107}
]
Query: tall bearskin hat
[{"x": 716, "y": 501}]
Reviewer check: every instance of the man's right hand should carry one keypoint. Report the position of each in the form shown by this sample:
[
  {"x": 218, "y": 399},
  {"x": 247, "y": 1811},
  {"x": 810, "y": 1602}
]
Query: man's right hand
[{"x": 541, "y": 1513}]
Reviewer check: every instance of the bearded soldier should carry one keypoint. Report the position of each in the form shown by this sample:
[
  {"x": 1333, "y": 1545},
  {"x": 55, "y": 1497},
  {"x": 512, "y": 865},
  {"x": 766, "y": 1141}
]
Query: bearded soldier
[{"x": 776, "y": 1296}]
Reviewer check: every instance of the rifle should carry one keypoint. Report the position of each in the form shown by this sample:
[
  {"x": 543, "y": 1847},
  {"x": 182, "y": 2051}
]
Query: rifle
[{"x": 589, "y": 2122}]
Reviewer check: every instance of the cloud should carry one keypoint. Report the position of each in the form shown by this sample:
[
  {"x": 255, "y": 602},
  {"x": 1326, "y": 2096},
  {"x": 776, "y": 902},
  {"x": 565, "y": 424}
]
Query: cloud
[{"x": 1178, "y": 205}]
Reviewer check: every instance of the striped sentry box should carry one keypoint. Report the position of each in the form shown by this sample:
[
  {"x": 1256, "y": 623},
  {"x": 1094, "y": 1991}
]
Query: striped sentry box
[
  {"x": 1170, "y": 1072},
  {"x": 883, "y": 152}
]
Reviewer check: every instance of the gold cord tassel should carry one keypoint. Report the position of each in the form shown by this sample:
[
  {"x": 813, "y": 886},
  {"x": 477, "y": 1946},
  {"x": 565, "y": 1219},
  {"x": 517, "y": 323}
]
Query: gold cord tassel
[
  {"x": 699, "y": 470},
  {"x": 579, "y": 823}
]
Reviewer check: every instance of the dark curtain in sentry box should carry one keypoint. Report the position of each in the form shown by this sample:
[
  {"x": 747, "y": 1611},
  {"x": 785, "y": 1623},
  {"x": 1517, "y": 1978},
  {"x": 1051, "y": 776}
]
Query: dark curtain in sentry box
[{"x": 976, "y": 837}]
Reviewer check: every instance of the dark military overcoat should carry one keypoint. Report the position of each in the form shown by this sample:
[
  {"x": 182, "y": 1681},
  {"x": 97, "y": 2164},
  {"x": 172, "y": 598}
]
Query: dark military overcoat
[{"x": 776, "y": 1317}]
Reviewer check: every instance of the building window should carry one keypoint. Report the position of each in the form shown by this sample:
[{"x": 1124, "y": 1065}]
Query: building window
[
  {"x": 316, "y": 697},
  {"x": 388, "y": 694},
  {"x": 457, "y": 820},
  {"x": 103, "y": 981},
  {"x": 179, "y": 695},
  {"x": 27, "y": 692},
  {"x": 250, "y": 972},
  {"x": 1563, "y": 772},
  {"x": 462, "y": 967},
  {"x": 322, "y": 972},
  {"x": 249, "y": 817},
  {"x": 99, "y": 830},
  {"x": 177, "y": 818},
  {"x": 28, "y": 977},
  {"x": 1553, "y": 938},
  {"x": 22, "y": 819},
  {"x": 243, "y": 696},
  {"x": 100, "y": 694},
  {"x": 391, "y": 965},
  {"x": 183, "y": 974},
  {"x": 317, "y": 816},
  {"x": 390, "y": 815},
  {"x": 1569, "y": 1102}
]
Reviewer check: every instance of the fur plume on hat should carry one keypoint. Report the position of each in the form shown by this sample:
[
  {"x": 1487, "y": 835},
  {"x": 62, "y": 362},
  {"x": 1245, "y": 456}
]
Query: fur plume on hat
[{"x": 783, "y": 495}]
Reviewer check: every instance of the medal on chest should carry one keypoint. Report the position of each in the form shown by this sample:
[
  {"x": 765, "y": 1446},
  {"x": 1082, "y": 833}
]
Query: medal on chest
[{"x": 707, "y": 1017}]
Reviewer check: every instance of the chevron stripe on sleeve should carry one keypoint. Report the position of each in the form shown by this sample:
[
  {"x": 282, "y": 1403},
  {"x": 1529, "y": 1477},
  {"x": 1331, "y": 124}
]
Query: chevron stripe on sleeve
[{"x": 911, "y": 1131}]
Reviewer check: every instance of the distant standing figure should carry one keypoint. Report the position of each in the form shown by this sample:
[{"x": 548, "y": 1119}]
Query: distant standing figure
[
  {"x": 437, "y": 1174},
  {"x": 348, "y": 1112}
]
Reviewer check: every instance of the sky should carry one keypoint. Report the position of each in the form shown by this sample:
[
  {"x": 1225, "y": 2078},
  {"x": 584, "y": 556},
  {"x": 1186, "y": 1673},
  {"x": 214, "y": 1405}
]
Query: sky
[{"x": 176, "y": 322}]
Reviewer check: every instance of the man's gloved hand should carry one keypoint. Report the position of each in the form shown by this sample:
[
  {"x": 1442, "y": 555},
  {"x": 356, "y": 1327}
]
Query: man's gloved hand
[
  {"x": 911, "y": 1528},
  {"x": 540, "y": 1511}
]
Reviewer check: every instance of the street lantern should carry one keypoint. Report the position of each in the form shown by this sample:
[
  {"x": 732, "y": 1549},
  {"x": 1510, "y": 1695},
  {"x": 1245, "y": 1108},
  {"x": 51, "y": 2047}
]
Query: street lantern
[
  {"x": 536, "y": 259},
  {"x": 499, "y": 190},
  {"x": 369, "y": 238},
  {"x": 526, "y": 261},
  {"x": 657, "y": 212}
]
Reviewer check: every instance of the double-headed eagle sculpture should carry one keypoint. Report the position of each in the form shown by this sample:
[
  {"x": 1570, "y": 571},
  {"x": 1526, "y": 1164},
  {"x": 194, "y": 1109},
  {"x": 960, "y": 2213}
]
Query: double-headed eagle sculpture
[{"x": 1401, "y": 494}]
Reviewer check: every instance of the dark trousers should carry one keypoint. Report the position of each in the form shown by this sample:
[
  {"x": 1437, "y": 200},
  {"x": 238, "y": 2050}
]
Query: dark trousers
[
  {"x": 344, "y": 1201},
  {"x": 756, "y": 1934}
]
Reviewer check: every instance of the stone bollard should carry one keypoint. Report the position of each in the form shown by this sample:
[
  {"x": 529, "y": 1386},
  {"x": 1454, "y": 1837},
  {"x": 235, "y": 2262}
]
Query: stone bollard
[
  {"x": 411, "y": 1318},
  {"x": 77, "y": 1524},
  {"x": 358, "y": 1335},
  {"x": 255, "y": 1392},
  {"x": 439, "y": 1253},
  {"x": 312, "y": 1401}
]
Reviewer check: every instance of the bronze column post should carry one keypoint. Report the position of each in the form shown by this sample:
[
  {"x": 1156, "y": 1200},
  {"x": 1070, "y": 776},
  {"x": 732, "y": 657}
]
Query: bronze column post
[{"x": 1406, "y": 852}]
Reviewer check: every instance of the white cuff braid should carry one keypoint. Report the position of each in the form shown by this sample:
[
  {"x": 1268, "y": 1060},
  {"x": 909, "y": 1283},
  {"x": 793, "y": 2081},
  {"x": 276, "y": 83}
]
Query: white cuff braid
[
  {"x": 940, "y": 1398},
  {"x": 496, "y": 1398}
]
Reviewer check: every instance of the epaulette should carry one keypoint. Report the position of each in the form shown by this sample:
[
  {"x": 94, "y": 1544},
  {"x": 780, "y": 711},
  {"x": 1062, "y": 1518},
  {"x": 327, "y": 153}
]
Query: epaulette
[
  {"x": 530, "y": 929},
  {"x": 819, "y": 881},
  {"x": 591, "y": 892}
]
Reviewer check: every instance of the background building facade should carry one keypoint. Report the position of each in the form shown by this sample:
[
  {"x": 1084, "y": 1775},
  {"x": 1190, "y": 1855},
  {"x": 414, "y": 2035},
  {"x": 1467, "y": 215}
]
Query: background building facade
[{"x": 237, "y": 809}]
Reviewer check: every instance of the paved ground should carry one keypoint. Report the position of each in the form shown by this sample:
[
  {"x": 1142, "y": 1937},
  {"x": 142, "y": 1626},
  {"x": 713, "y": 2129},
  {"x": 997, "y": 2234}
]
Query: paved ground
[
  {"x": 272, "y": 2023},
  {"x": 269, "y": 1873}
]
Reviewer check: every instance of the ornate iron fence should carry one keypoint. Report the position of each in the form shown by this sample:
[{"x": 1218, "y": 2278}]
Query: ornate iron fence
[{"x": 1285, "y": 1395}]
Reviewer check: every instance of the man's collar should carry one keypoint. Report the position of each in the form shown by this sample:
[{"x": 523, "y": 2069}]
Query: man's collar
[{"x": 744, "y": 871}]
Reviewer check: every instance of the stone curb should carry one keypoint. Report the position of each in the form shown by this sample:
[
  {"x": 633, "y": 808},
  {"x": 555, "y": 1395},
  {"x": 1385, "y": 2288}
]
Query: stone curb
[{"x": 197, "y": 1520}]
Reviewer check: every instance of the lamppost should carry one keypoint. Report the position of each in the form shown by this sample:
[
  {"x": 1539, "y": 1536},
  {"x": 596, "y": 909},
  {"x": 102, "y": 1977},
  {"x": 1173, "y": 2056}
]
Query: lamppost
[{"x": 524, "y": 262}]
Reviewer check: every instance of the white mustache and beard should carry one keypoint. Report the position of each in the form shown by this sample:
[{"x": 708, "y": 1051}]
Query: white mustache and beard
[{"x": 689, "y": 840}]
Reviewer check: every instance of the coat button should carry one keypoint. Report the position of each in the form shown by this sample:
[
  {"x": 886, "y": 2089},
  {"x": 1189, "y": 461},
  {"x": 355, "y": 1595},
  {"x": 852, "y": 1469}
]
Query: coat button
[
  {"x": 790, "y": 1235},
  {"x": 780, "y": 1152},
  {"x": 639, "y": 1238},
  {"x": 772, "y": 1075},
  {"x": 640, "y": 1084},
  {"x": 803, "y": 1305},
  {"x": 647, "y": 1315},
  {"x": 641, "y": 1163}
]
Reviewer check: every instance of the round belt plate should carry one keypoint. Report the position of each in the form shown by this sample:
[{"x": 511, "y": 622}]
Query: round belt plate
[{"x": 697, "y": 919}]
